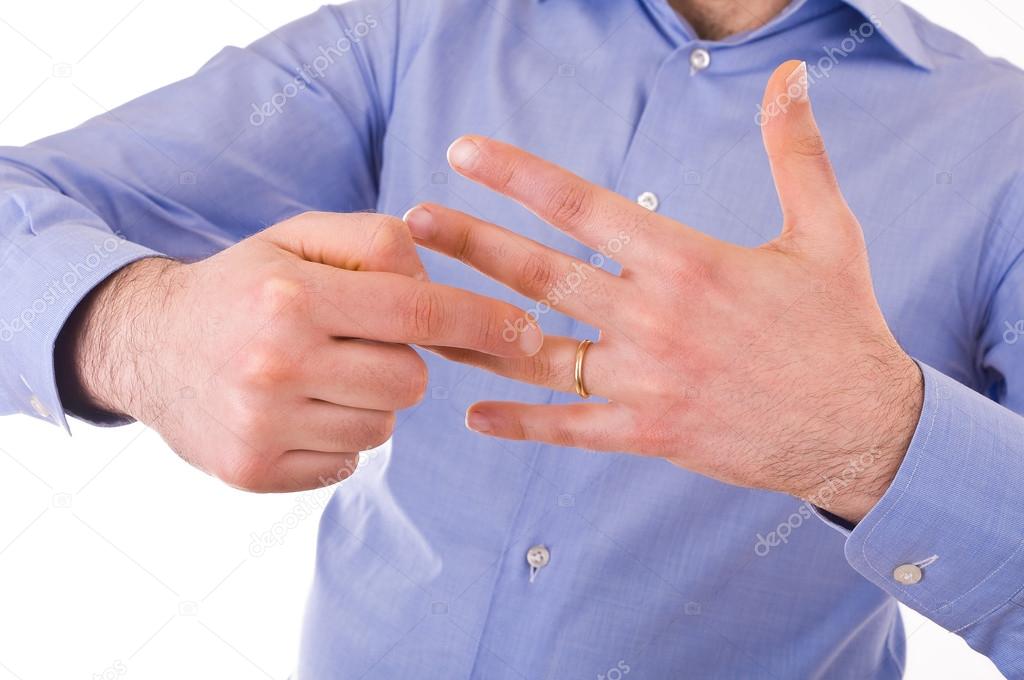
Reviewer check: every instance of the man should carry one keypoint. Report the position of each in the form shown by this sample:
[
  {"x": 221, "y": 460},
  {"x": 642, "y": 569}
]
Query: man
[{"x": 742, "y": 343}]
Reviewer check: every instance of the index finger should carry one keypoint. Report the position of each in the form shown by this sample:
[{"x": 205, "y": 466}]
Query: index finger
[
  {"x": 389, "y": 307},
  {"x": 589, "y": 213},
  {"x": 355, "y": 241}
]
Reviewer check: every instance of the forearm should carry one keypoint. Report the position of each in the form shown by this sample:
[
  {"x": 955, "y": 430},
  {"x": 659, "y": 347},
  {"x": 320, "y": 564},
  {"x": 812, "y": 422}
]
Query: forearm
[
  {"x": 54, "y": 252},
  {"x": 871, "y": 438},
  {"x": 78, "y": 206},
  {"x": 107, "y": 354}
]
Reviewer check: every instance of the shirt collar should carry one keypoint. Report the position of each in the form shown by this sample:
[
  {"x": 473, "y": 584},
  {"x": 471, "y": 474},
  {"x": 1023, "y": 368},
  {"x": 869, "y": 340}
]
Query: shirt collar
[
  {"x": 891, "y": 19},
  {"x": 895, "y": 24}
]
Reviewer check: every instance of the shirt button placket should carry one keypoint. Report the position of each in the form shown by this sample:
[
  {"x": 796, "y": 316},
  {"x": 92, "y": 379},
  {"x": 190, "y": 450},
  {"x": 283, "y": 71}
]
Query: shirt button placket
[
  {"x": 537, "y": 557},
  {"x": 649, "y": 200},
  {"x": 700, "y": 59}
]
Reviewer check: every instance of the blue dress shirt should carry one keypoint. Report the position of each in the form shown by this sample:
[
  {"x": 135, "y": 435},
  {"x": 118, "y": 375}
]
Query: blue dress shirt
[{"x": 653, "y": 572}]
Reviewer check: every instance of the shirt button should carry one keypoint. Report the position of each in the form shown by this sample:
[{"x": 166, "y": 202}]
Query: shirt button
[
  {"x": 700, "y": 59},
  {"x": 538, "y": 556},
  {"x": 648, "y": 200},
  {"x": 907, "y": 574}
]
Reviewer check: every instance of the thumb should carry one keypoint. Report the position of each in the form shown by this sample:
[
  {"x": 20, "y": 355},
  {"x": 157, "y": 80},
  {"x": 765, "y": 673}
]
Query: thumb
[{"x": 812, "y": 203}]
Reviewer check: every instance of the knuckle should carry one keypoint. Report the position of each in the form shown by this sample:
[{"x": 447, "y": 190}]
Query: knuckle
[
  {"x": 570, "y": 203},
  {"x": 464, "y": 248},
  {"x": 405, "y": 380},
  {"x": 506, "y": 175},
  {"x": 310, "y": 216},
  {"x": 277, "y": 290},
  {"x": 246, "y": 416},
  {"x": 264, "y": 366},
  {"x": 424, "y": 315},
  {"x": 416, "y": 379},
  {"x": 489, "y": 332},
  {"x": 244, "y": 471},
  {"x": 691, "y": 275},
  {"x": 347, "y": 468},
  {"x": 653, "y": 438},
  {"x": 537, "y": 275},
  {"x": 562, "y": 436},
  {"x": 388, "y": 237},
  {"x": 304, "y": 222},
  {"x": 646, "y": 322},
  {"x": 375, "y": 429},
  {"x": 542, "y": 371},
  {"x": 290, "y": 222},
  {"x": 808, "y": 146}
]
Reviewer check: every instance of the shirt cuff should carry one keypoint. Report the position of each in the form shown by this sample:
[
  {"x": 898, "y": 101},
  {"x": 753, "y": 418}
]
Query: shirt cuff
[
  {"x": 947, "y": 538},
  {"x": 46, "y": 275}
]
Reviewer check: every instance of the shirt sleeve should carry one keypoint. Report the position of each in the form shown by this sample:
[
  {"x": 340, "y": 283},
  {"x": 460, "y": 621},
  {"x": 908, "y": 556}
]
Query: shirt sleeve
[
  {"x": 291, "y": 123},
  {"x": 947, "y": 538}
]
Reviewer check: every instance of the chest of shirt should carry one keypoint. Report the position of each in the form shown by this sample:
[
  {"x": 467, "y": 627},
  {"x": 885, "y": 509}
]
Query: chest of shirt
[{"x": 628, "y": 111}]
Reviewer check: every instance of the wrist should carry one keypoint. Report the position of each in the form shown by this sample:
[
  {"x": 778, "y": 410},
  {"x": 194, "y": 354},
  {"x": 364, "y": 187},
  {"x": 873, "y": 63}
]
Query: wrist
[
  {"x": 867, "y": 468},
  {"x": 105, "y": 352}
]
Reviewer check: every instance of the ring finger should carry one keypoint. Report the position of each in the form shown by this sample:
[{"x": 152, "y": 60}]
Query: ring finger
[{"x": 552, "y": 367}]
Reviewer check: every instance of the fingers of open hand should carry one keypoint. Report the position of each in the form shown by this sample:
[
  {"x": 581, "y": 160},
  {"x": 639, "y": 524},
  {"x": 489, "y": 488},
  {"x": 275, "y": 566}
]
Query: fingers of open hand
[
  {"x": 552, "y": 367},
  {"x": 571, "y": 286},
  {"x": 593, "y": 215},
  {"x": 598, "y": 427}
]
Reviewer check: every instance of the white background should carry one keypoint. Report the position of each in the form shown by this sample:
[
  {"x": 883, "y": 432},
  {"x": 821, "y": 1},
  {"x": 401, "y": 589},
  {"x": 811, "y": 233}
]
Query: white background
[{"x": 119, "y": 560}]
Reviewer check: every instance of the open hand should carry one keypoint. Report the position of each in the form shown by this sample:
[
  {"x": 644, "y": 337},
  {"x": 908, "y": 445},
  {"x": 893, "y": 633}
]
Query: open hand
[{"x": 769, "y": 367}]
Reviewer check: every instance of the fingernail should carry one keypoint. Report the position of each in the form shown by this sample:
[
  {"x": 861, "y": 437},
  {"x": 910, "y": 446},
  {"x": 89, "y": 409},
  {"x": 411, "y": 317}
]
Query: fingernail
[
  {"x": 463, "y": 153},
  {"x": 478, "y": 422},
  {"x": 796, "y": 83},
  {"x": 421, "y": 223},
  {"x": 531, "y": 339}
]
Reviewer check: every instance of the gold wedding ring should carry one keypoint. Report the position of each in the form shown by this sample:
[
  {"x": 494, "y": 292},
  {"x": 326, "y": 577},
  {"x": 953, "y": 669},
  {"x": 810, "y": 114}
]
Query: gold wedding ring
[{"x": 581, "y": 351}]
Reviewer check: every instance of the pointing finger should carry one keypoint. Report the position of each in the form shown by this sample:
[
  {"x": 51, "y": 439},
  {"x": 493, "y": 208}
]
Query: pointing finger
[{"x": 571, "y": 286}]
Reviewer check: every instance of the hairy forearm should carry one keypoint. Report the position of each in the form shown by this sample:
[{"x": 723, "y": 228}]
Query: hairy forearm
[
  {"x": 106, "y": 354},
  {"x": 867, "y": 451}
]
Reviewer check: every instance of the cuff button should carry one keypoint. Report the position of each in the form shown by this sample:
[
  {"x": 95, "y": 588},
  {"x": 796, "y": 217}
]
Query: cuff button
[{"x": 907, "y": 574}]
